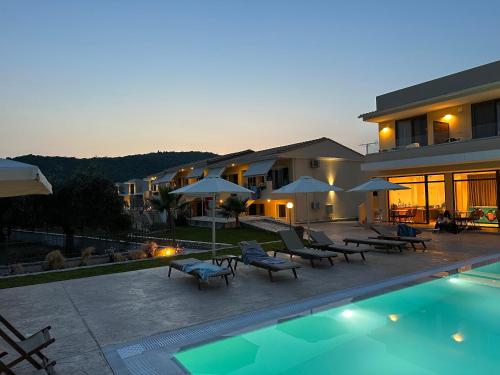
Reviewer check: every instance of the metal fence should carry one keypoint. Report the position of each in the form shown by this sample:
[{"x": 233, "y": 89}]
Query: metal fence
[{"x": 32, "y": 245}]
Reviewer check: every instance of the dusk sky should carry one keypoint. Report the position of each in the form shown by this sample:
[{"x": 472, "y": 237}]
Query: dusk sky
[{"x": 113, "y": 78}]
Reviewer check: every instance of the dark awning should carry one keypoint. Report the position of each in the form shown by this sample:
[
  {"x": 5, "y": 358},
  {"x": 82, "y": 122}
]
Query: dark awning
[{"x": 259, "y": 168}]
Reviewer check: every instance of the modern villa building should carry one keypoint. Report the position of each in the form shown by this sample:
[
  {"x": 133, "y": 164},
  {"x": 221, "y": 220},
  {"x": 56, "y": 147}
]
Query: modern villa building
[
  {"x": 267, "y": 170},
  {"x": 441, "y": 139}
]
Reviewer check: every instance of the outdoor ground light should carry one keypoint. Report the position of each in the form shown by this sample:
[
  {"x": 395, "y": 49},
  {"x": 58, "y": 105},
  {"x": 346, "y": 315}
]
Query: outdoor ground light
[
  {"x": 458, "y": 337},
  {"x": 347, "y": 313},
  {"x": 393, "y": 317},
  {"x": 289, "y": 205}
]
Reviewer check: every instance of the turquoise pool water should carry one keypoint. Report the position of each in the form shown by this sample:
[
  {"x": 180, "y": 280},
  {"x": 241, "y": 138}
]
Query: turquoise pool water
[{"x": 445, "y": 326}]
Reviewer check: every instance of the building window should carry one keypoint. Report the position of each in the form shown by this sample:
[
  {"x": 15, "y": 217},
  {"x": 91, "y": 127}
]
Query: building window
[
  {"x": 412, "y": 130},
  {"x": 280, "y": 177},
  {"x": 486, "y": 119},
  {"x": 421, "y": 203},
  {"x": 256, "y": 209},
  {"x": 256, "y": 181},
  {"x": 281, "y": 211},
  {"x": 441, "y": 132},
  {"x": 231, "y": 178},
  {"x": 477, "y": 192}
]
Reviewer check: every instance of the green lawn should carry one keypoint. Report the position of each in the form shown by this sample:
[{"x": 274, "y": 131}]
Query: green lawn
[
  {"x": 232, "y": 236},
  {"x": 48, "y": 277}
]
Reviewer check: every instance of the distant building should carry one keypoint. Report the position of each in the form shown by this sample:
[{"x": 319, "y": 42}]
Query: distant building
[
  {"x": 132, "y": 192},
  {"x": 440, "y": 138},
  {"x": 267, "y": 170}
]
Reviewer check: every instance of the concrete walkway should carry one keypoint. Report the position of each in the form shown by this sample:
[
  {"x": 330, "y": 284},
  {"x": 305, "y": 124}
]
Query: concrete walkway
[{"x": 92, "y": 313}]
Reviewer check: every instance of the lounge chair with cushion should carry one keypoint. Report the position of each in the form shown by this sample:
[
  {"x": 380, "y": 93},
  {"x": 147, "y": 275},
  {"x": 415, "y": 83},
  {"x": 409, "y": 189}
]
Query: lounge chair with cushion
[
  {"x": 3, "y": 367},
  {"x": 377, "y": 243},
  {"x": 253, "y": 254},
  {"x": 26, "y": 348},
  {"x": 294, "y": 246},
  {"x": 385, "y": 234},
  {"x": 321, "y": 241},
  {"x": 200, "y": 270}
]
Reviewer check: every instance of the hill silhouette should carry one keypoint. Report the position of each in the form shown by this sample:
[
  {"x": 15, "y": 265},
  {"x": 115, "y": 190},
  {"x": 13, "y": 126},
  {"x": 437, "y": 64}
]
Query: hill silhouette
[{"x": 118, "y": 169}]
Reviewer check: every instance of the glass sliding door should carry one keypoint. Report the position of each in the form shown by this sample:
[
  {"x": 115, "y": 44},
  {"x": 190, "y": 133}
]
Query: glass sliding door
[
  {"x": 477, "y": 191},
  {"x": 436, "y": 196},
  {"x": 486, "y": 119},
  {"x": 412, "y": 130},
  {"x": 403, "y": 133},
  {"x": 410, "y": 204},
  {"x": 421, "y": 203}
]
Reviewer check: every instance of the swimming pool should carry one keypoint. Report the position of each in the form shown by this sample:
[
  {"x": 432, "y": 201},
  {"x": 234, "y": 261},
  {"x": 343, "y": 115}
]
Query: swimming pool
[{"x": 445, "y": 326}]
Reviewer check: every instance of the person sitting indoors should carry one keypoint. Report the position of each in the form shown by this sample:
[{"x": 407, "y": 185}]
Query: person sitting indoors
[{"x": 445, "y": 222}]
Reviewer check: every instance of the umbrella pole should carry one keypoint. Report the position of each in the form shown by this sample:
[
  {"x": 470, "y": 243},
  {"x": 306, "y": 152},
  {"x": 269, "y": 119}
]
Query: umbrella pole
[
  {"x": 214, "y": 198},
  {"x": 308, "y": 223}
]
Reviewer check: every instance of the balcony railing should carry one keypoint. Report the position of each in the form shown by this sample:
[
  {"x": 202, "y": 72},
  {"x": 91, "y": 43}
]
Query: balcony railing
[{"x": 471, "y": 150}]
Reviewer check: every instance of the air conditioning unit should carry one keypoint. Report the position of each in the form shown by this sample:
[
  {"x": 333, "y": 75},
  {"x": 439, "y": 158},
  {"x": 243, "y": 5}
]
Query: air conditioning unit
[
  {"x": 315, "y": 163},
  {"x": 329, "y": 211}
]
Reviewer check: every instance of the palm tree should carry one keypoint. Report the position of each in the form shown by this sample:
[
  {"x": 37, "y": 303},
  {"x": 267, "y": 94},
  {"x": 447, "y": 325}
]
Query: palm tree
[
  {"x": 171, "y": 204},
  {"x": 234, "y": 207}
]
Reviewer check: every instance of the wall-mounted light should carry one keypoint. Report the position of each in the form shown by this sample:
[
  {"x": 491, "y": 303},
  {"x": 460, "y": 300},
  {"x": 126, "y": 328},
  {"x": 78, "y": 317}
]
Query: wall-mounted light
[
  {"x": 385, "y": 130},
  {"x": 447, "y": 117},
  {"x": 289, "y": 205},
  {"x": 268, "y": 200}
]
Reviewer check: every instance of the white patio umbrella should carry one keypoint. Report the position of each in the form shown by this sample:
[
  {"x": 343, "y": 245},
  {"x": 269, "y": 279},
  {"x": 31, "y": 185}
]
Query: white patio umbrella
[
  {"x": 18, "y": 178},
  {"x": 377, "y": 184},
  {"x": 211, "y": 187},
  {"x": 306, "y": 184}
]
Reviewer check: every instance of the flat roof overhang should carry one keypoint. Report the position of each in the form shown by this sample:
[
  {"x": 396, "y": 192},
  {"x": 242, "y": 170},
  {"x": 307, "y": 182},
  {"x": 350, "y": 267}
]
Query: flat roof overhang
[
  {"x": 433, "y": 161},
  {"x": 476, "y": 94}
]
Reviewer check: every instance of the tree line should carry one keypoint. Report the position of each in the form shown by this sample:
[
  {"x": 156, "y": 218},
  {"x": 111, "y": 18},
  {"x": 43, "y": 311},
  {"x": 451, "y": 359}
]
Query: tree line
[{"x": 85, "y": 201}]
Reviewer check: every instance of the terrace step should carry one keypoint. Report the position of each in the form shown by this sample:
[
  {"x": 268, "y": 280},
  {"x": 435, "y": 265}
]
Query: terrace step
[{"x": 264, "y": 223}]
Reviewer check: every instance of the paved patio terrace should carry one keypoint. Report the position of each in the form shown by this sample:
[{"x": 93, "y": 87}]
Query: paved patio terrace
[{"x": 92, "y": 313}]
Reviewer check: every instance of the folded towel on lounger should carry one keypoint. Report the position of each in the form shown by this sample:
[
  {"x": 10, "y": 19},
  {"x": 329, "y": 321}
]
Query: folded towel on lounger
[
  {"x": 253, "y": 252},
  {"x": 205, "y": 270},
  {"x": 407, "y": 231}
]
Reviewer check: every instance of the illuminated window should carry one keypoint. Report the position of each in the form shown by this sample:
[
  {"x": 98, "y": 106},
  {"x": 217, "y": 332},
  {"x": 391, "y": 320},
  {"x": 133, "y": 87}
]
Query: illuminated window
[
  {"x": 477, "y": 192},
  {"x": 422, "y": 202}
]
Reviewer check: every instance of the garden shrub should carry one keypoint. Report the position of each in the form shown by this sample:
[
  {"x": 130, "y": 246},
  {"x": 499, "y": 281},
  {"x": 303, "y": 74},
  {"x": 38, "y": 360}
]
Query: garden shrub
[
  {"x": 136, "y": 254},
  {"x": 150, "y": 248},
  {"x": 119, "y": 257},
  {"x": 55, "y": 260},
  {"x": 86, "y": 255},
  {"x": 17, "y": 269}
]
